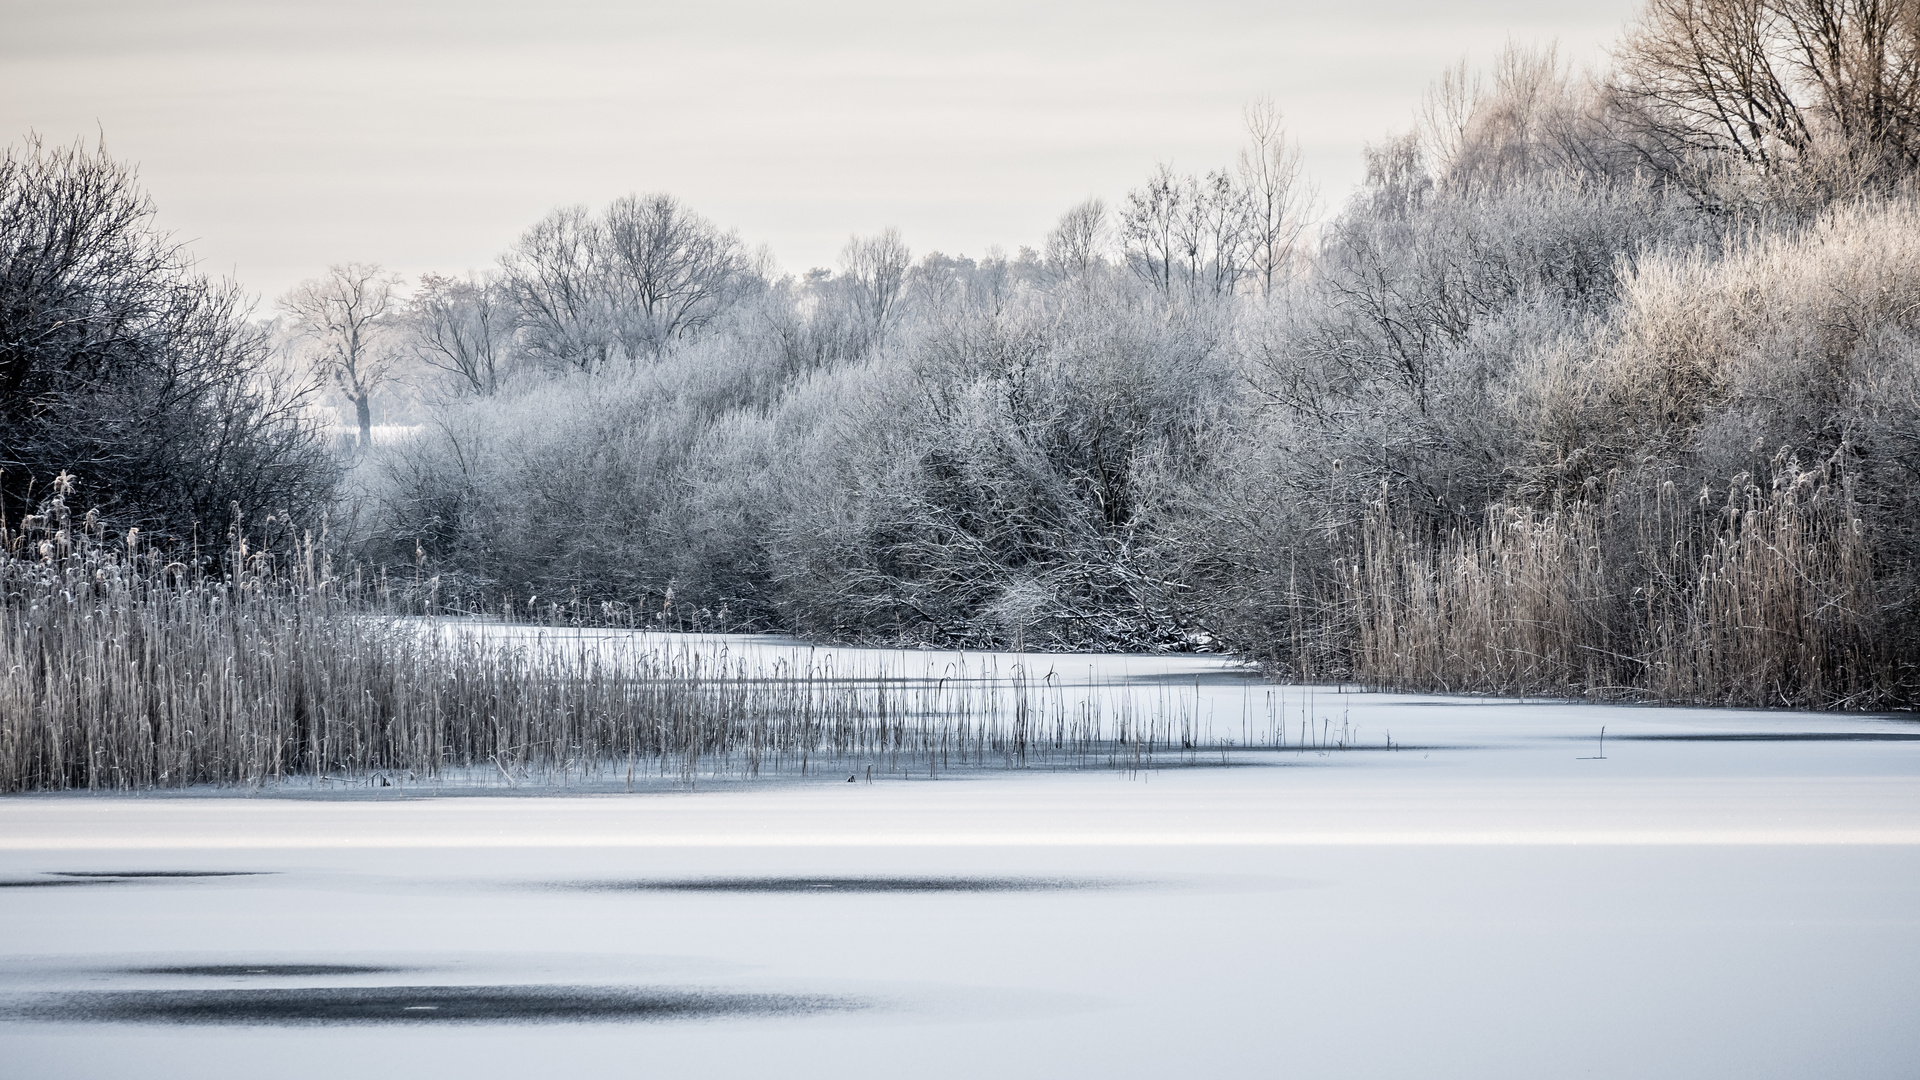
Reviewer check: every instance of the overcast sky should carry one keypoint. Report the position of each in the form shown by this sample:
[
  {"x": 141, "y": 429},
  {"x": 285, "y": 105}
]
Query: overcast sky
[{"x": 426, "y": 134}]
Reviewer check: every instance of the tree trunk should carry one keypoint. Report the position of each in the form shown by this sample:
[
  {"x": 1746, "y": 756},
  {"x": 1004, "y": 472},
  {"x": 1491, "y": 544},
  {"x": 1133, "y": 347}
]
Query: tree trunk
[{"x": 363, "y": 412}]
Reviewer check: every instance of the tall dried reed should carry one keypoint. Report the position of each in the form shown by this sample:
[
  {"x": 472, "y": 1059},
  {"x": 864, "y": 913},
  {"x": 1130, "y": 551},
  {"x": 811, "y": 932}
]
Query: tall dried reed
[
  {"x": 120, "y": 668},
  {"x": 1765, "y": 595},
  {"x": 1510, "y": 606}
]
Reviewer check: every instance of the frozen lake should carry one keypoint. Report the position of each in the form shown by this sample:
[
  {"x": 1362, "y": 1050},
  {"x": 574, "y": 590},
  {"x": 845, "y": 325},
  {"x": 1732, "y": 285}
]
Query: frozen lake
[{"x": 1720, "y": 894}]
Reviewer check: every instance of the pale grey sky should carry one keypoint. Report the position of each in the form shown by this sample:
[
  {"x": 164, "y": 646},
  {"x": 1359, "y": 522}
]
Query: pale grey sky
[{"x": 426, "y": 134}]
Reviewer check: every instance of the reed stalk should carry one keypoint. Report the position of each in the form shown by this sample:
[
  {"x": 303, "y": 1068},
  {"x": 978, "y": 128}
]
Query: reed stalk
[{"x": 121, "y": 668}]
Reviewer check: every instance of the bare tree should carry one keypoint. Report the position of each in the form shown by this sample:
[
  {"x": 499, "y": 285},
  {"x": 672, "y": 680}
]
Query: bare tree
[
  {"x": 1777, "y": 85},
  {"x": 557, "y": 278},
  {"x": 1446, "y": 114},
  {"x": 347, "y": 318},
  {"x": 875, "y": 269},
  {"x": 1218, "y": 234},
  {"x": 462, "y": 327},
  {"x": 1484, "y": 133},
  {"x": 1397, "y": 177},
  {"x": 1149, "y": 225},
  {"x": 628, "y": 283},
  {"x": 120, "y": 366},
  {"x": 672, "y": 271},
  {"x": 1278, "y": 196},
  {"x": 1076, "y": 248},
  {"x": 1189, "y": 235},
  {"x": 1183, "y": 234}
]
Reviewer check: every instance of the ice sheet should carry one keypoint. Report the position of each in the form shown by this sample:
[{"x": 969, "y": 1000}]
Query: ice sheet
[{"x": 1494, "y": 899}]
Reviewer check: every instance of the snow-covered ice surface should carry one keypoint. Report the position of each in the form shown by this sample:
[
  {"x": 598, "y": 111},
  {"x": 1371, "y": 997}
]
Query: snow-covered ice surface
[{"x": 1724, "y": 894}]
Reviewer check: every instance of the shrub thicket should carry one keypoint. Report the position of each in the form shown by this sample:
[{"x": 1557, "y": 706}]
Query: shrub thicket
[
  {"x": 1584, "y": 391},
  {"x": 1559, "y": 402},
  {"x": 122, "y": 366}
]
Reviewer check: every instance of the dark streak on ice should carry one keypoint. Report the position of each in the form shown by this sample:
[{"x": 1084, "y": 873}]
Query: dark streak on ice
[
  {"x": 417, "y": 1005},
  {"x": 157, "y": 873},
  {"x": 271, "y": 970},
  {"x": 838, "y": 885},
  {"x": 112, "y": 877}
]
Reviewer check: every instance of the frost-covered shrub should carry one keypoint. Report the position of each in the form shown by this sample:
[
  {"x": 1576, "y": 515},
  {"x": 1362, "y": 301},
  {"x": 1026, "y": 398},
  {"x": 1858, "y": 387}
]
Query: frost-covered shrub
[
  {"x": 121, "y": 365},
  {"x": 1535, "y": 410}
]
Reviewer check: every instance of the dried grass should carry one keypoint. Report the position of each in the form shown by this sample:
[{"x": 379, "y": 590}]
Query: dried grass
[
  {"x": 120, "y": 669},
  {"x": 1765, "y": 596}
]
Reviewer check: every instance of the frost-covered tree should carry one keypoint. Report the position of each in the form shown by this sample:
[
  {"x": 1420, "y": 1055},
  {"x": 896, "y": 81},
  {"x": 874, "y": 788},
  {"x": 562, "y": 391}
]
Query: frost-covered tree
[
  {"x": 1827, "y": 89},
  {"x": 874, "y": 269},
  {"x": 122, "y": 367},
  {"x": 627, "y": 283},
  {"x": 464, "y": 327},
  {"x": 349, "y": 322},
  {"x": 1273, "y": 175},
  {"x": 670, "y": 271}
]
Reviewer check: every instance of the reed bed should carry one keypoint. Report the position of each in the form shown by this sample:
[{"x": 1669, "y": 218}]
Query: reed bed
[
  {"x": 124, "y": 669},
  {"x": 1765, "y": 595}
]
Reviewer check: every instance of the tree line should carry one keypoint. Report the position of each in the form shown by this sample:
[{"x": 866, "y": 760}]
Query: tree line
[{"x": 1602, "y": 383}]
